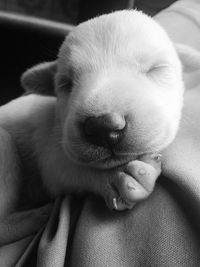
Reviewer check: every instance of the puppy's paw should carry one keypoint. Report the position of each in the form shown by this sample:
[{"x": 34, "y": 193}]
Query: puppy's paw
[{"x": 135, "y": 182}]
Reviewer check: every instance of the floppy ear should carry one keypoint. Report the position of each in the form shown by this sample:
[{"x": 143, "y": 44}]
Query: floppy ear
[
  {"x": 189, "y": 57},
  {"x": 40, "y": 78}
]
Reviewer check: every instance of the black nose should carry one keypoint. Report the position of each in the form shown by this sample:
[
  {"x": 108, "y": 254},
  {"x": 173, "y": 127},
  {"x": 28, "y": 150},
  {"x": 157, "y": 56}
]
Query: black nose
[{"x": 106, "y": 130}]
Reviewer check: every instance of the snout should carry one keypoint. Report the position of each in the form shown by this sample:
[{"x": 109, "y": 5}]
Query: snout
[
  {"x": 118, "y": 119},
  {"x": 113, "y": 131},
  {"x": 133, "y": 132},
  {"x": 106, "y": 130}
]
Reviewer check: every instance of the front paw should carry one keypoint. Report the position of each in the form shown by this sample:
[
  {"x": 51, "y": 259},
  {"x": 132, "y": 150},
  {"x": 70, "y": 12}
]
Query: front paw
[{"x": 133, "y": 183}]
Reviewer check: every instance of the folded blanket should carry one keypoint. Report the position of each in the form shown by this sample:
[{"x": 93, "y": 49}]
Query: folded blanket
[{"x": 160, "y": 231}]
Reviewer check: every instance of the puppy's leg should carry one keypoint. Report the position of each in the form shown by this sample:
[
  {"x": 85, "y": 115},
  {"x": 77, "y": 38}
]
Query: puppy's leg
[
  {"x": 14, "y": 225},
  {"x": 114, "y": 185},
  {"x": 136, "y": 181},
  {"x": 131, "y": 183}
]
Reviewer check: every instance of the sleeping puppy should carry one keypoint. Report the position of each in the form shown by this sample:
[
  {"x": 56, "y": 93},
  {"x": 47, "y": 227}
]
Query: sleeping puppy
[{"x": 119, "y": 95}]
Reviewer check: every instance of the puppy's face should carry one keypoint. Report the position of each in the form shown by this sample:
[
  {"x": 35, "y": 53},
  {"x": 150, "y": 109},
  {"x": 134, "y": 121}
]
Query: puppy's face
[{"x": 119, "y": 89}]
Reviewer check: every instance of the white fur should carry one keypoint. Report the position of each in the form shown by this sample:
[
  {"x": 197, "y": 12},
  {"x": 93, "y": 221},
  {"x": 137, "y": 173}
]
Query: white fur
[{"x": 122, "y": 62}]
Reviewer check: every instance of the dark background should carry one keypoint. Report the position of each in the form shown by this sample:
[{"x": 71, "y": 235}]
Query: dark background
[{"x": 75, "y": 11}]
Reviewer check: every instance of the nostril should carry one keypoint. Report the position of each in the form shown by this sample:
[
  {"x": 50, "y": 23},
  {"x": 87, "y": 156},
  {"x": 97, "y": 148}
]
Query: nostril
[{"x": 105, "y": 130}]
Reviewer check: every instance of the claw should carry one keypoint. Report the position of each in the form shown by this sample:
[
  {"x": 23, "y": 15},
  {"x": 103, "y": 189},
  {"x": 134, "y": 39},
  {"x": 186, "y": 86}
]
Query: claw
[
  {"x": 115, "y": 203},
  {"x": 156, "y": 157}
]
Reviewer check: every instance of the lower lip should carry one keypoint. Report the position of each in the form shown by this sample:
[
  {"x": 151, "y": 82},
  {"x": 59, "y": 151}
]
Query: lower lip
[
  {"x": 115, "y": 161},
  {"x": 111, "y": 162}
]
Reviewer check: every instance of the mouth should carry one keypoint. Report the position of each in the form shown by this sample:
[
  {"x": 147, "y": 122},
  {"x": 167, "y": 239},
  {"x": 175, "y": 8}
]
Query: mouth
[
  {"x": 103, "y": 158},
  {"x": 113, "y": 160},
  {"x": 116, "y": 161}
]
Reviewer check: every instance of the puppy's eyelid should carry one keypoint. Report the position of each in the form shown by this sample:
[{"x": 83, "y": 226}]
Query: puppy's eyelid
[
  {"x": 155, "y": 67},
  {"x": 159, "y": 66}
]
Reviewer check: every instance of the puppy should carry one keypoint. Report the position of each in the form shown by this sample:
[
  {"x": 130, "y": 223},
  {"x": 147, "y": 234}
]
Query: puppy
[{"x": 117, "y": 95}]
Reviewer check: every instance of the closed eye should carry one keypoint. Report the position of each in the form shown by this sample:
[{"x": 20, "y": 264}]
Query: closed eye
[
  {"x": 162, "y": 73},
  {"x": 157, "y": 68}
]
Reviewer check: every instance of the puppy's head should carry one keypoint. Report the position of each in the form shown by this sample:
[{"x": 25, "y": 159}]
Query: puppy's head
[{"x": 118, "y": 81}]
